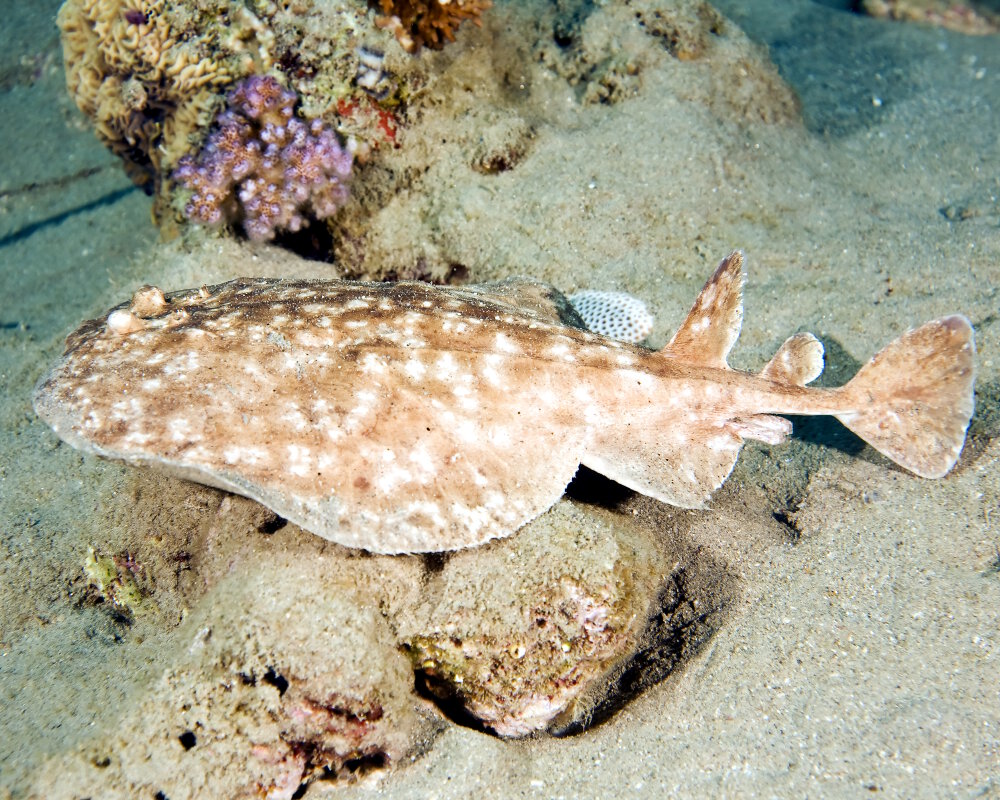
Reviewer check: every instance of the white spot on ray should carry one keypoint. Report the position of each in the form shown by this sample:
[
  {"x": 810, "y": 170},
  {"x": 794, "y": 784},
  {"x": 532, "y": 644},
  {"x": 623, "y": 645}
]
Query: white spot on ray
[
  {"x": 467, "y": 430},
  {"x": 415, "y": 369},
  {"x": 582, "y": 394},
  {"x": 372, "y": 364},
  {"x": 299, "y": 461},
  {"x": 426, "y": 465},
  {"x": 561, "y": 352},
  {"x": 138, "y": 437},
  {"x": 499, "y": 436},
  {"x": 391, "y": 477},
  {"x": 446, "y": 368},
  {"x": 333, "y": 431},
  {"x": 295, "y": 417},
  {"x": 719, "y": 443},
  {"x": 491, "y": 376},
  {"x": 426, "y": 508},
  {"x": 179, "y": 429},
  {"x": 472, "y": 518},
  {"x": 246, "y": 454},
  {"x": 465, "y": 395},
  {"x": 185, "y": 362},
  {"x": 365, "y": 400},
  {"x": 502, "y": 343},
  {"x": 200, "y": 454}
]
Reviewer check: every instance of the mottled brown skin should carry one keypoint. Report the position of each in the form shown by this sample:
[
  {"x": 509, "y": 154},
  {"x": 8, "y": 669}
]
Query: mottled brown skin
[{"x": 406, "y": 417}]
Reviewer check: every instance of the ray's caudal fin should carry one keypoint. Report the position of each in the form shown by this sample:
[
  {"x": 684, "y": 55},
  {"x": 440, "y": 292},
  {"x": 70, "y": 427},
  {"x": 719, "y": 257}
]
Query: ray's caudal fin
[{"x": 913, "y": 401}]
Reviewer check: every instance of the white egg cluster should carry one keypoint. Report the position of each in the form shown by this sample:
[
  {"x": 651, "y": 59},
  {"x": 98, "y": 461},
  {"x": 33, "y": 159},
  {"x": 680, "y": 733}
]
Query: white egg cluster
[{"x": 614, "y": 314}]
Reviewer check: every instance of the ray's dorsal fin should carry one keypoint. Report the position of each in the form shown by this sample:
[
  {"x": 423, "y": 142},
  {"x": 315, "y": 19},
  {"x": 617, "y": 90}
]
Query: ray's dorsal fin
[
  {"x": 798, "y": 361},
  {"x": 713, "y": 323}
]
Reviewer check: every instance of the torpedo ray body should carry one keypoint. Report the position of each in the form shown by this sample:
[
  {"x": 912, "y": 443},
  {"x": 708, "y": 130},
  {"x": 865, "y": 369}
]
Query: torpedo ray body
[{"x": 406, "y": 417}]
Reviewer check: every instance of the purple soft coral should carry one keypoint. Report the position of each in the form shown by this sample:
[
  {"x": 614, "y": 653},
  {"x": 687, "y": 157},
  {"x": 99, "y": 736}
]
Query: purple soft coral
[{"x": 265, "y": 167}]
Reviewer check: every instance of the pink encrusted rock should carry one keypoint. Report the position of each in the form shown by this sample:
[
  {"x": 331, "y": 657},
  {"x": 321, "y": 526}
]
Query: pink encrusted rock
[{"x": 523, "y": 634}]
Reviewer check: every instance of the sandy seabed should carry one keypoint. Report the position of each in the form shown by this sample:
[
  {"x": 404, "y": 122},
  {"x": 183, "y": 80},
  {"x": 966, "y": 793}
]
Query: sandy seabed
[{"x": 859, "y": 650}]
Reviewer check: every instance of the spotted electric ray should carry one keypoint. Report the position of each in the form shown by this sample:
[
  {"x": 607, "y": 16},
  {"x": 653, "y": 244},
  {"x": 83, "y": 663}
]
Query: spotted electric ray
[{"x": 403, "y": 417}]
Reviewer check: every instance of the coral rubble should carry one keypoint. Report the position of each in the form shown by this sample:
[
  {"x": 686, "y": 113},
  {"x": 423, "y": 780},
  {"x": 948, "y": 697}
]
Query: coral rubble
[
  {"x": 430, "y": 23},
  {"x": 265, "y": 167}
]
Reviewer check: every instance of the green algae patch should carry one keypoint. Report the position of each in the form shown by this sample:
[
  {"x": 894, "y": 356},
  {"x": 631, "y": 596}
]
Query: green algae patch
[{"x": 115, "y": 581}]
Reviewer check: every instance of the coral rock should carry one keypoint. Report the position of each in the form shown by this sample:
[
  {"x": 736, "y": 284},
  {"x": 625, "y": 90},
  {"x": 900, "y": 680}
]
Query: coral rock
[
  {"x": 145, "y": 83},
  {"x": 528, "y": 649},
  {"x": 282, "y": 677}
]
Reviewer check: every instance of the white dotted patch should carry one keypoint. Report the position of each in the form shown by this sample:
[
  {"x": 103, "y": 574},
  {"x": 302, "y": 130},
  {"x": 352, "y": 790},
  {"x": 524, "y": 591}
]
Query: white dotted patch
[{"x": 616, "y": 315}]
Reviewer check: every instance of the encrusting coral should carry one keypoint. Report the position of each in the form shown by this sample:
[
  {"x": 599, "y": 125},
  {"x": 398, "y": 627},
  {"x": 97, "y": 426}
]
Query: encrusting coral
[
  {"x": 145, "y": 85},
  {"x": 430, "y": 23},
  {"x": 264, "y": 167},
  {"x": 616, "y": 314}
]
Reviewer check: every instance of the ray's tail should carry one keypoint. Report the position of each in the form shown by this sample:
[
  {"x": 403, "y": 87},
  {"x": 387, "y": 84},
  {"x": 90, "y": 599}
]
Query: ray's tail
[{"x": 913, "y": 401}]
